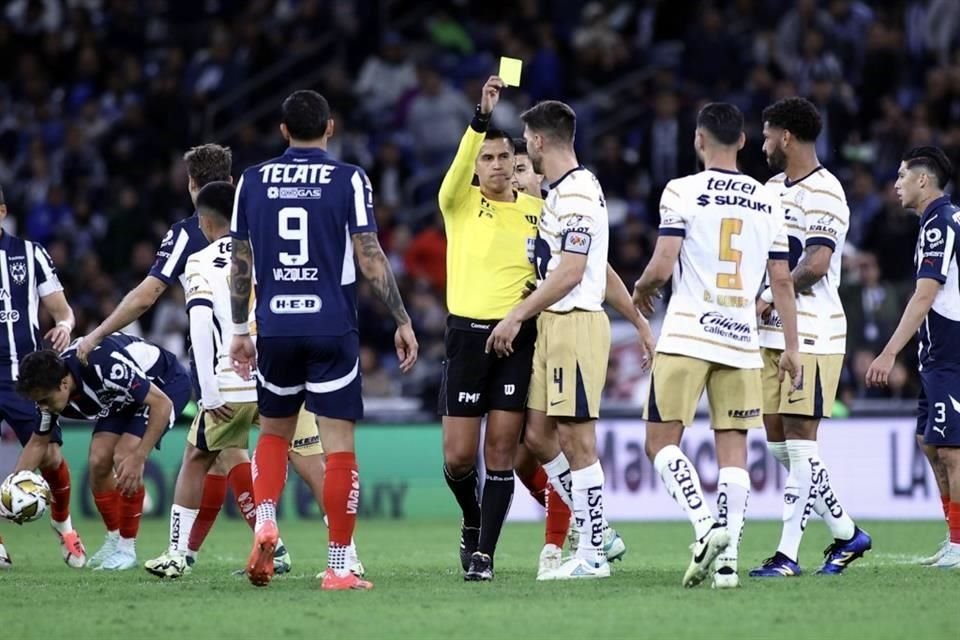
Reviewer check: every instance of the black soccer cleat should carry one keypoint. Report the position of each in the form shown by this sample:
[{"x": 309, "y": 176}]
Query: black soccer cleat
[
  {"x": 481, "y": 568},
  {"x": 469, "y": 541}
]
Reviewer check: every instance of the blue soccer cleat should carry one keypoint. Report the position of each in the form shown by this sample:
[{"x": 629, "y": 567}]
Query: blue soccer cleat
[
  {"x": 777, "y": 566},
  {"x": 839, "y": 555}
]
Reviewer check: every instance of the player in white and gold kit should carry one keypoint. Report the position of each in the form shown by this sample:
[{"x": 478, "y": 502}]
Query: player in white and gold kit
[
  {"x": 817, "y": 222},
  {"x": 719, "y": 232},
  {"x": 573, "y": 332}
]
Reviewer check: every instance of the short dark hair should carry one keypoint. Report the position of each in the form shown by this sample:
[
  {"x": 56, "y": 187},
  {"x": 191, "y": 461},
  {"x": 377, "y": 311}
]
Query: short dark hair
[
  {"x": 932, "y": 159},
  {"x": 216, "y": 198},
  {"x": 208, "y": 163},
  {"x": 500, "y": 134},
  {"x": 519, "y": 146},
  {"x": 41, "y": 371},
  {"x": 723, "y": 120},
  {"x": 553, "y": 119},
  {"x": 797, "y": 115},
  {"x": 306, "y": 114}
]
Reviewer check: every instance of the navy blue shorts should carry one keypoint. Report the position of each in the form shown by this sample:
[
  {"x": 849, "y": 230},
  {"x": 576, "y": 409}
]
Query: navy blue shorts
[
  {"x": 938, "y": 407},
  {"x": 23, "y": 416},
  {"x": 133, "y": 419},
  {"x": 324, "y": 370}
]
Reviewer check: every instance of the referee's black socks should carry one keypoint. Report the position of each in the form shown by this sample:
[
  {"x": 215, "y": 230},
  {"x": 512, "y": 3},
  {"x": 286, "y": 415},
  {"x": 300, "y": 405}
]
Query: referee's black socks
[
  {"x": 464, "y": 489},
  {"x": 497, "y": 496}
]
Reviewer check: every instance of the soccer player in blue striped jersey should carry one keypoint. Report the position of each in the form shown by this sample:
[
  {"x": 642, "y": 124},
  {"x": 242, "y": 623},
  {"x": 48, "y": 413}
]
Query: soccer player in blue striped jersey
[
  {"x": 298, "y": 221},
  {"x": 134, "y": 391},
  {"x": 28, "y": 280},
  {"x": 933, "y": 313}
]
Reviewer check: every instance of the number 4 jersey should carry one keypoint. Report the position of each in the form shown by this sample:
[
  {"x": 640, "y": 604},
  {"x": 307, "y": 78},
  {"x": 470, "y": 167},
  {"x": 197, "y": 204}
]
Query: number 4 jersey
[
  {"x": 299, "y": 212},
  {"x": 730, "y": 225}
]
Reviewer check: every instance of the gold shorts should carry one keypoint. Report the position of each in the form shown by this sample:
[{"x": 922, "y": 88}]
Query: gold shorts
[
  {"x": 677, "y": 382},
  {"x": 818, "y": 390},
  {"x": 209, "y": 433},
  {"x": 306, "y": 439},
  {"x": 570, "y": 364}
]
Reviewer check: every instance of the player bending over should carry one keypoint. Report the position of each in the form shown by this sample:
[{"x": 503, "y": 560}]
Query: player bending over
[
  {"x": 133, "y": 391},
  {"x": 719, "y": 230}
]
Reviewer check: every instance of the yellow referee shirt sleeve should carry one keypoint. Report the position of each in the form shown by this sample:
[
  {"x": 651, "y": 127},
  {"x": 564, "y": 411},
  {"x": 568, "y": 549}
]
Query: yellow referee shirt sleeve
[{"x": 458, "y": 181}]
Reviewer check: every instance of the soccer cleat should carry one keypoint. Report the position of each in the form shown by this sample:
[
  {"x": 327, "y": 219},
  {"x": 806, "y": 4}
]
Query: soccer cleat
[
  {"x": 72, "y": 550},
  {"x": 777, "y": 566},
  {"x": 260, "y": 563},
  {"x": 348, "y": 582},
  {"x": 935, "y": 558},
  {"x": 169, "y": 565},
  {"x": 469, "y": 541},
  {"x": 704, "y": 552},
  {"x": 109, "y": 546},
  {"x": 613, "y": 545},
  {"x": 353, "y": 561},
  {"x": 551, "y": 557},
  {"x": 725, "y": 577},
  {"x": 281, "y": 560},
  {"x": 120, "y": 560},
  {"x": 191, "y": 559},
  {"x": 839, "y": 555},
  {"x": 481, "y": 568},
  {"x": 950, "y": 559},
  {"x": 577, "y": 568},
  {"x": 5, "y": 562}
]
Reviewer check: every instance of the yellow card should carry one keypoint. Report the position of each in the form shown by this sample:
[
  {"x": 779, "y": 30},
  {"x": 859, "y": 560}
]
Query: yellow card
[{"x": 510, "y": 71}]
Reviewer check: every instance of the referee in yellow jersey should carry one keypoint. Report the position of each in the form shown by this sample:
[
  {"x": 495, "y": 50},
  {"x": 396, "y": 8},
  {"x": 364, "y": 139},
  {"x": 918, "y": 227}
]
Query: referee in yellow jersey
[{"x": 490, "y": 229}]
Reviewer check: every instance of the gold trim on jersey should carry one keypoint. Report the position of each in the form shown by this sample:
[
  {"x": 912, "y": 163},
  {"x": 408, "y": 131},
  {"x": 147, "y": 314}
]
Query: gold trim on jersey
[
  {"x": 574, "y": 195},
  {"x": 671, "y": 191},
  {"x": 684, "y": 314},
  {"x": 194, "y": 294},
  {"x": 823, "y": 212},
  {"x": 713, "y": 342},
  {"x": 837, "y": 315},
  {"x": 795, "y": 227},
  {"x": 823, "y": 191},
  {"x": 839, "y": 336},
  {"x": 807, "y": 314}
]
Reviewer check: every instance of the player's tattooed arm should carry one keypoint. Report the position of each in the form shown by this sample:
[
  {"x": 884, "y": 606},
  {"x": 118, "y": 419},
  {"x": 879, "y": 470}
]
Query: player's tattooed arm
[
  {"x": 241, "y": 280},
  {"x": 376, "y": 268},
  {"x": 813, "y": 265}
]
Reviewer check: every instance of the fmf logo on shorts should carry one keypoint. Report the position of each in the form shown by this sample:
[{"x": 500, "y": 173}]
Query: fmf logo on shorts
[
  {"x": 289, "y": 304},
  {"x": 468, "y": 398}
]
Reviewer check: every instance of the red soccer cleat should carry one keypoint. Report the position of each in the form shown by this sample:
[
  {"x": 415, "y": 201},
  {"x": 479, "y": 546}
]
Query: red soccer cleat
[
  {"x": 260, "y": 564},
  {"x": 72, "y": 550},
  {"x": 333, "y": 582}
]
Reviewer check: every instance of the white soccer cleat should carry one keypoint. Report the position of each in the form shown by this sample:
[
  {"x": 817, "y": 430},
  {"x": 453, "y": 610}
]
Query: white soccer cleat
[
  {"x": 613, "y": 545},
  {"x": 353, "y": 560},
  {"x": 704, "y": 552},
  {"x": 950, "y": 558},
  {"x": 121, "y": 559},
  {"x": 725, "y": 575},
  {"x": 935, "y": 558},
  {"x": 576, "y": 568},
  {"x": 169, "y": 565},
  {"x": 110, "y": 542},
  {"x": 573, "y": 536},
  {"x": 5, "y": 562},
  {"x": 551, "y": 557}
]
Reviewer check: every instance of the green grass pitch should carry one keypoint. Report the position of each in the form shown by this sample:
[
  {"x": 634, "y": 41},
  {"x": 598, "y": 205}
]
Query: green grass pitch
[{"x": 420, "y": 592}]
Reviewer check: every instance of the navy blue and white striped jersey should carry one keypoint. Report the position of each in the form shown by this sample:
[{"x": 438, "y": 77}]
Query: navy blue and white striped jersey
[
  {"x": 182, "y": 241},
  {"x": 26, "y": 275},
  {"x": 298, "y": 212},
  {"x": 117, "y": 375},
  {"x": 936, "y": 258}
]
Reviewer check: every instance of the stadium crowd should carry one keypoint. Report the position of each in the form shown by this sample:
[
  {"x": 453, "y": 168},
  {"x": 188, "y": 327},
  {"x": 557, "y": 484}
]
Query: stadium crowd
[{"x": 100, "y": 98}]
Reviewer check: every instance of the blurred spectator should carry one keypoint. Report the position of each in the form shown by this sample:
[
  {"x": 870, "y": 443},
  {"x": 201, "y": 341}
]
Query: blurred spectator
[{"x": 437, "y": 116}]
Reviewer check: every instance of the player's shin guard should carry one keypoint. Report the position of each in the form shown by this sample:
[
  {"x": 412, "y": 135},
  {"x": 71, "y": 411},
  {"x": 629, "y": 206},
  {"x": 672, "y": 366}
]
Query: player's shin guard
[
  {"x": 214, "y": 492},
  {"x": 558, "y": 472},
  {"x": 683, "y": 484},
  {"x": 779, "y": 451},
  {"x": 341, "y": 501},
  {"x": 588, "y": 509},
  {"x": 464, "y": 489},
  {"x": 240, "y": 480},
  {"x": 733, "y": 492},
  {"x": 558, "y": 519},
  {"x": 131, "y": 509},
  {"x": 108, "y": 505},
  {"x": 59, "y": 481},
  {"x": 497, "y": 496},
  {"x": 269, "y": 475},
  {"x": 799, "y": 496}
]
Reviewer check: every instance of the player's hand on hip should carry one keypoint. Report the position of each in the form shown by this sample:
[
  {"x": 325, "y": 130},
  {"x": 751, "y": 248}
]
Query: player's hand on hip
[
  {"x": 501, "y": 338},
  {"x": 763, "y": 309},
  {"x": 878, "y": 375},
  {"x": 790, "y": 366},
  {"x": 243, "y": 356},
  {"x": 129, "y": 474},
  {"x": 58, "y": 337},
  {"x": 85, "y": 346},
  {"x": 490, "y": 95},
  {"x": 405, "y": 341}
]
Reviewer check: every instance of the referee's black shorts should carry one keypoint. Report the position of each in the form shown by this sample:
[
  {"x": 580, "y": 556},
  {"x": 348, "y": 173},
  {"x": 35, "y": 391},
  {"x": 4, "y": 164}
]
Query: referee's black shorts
[{"x": 475, "y": 382}]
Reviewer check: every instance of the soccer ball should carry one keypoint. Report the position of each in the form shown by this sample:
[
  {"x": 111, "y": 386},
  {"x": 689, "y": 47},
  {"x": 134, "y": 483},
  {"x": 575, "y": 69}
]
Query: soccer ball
[{"x": 24, "y": 497}]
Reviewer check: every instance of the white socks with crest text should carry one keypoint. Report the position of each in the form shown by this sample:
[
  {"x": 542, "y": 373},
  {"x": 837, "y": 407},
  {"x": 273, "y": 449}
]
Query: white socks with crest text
[{"x": 683, "y": 484}]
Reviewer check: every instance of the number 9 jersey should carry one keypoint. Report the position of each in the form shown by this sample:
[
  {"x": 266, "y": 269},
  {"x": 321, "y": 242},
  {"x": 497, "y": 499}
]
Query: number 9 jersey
[
  {"x": 298, "y": 212},
  {"x": 730, "y": 225}
]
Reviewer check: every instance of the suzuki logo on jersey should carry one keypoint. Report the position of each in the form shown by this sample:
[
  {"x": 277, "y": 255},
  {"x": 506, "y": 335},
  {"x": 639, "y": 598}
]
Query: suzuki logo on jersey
[
  {"x": 720, "y": 325},
  {"x": 296, "y": 173},
  {"x": 18, "y": 271},
  {"x": 703, "y": 200},
  {"x": 291, "y": 304},
  {"x": 735, "y": 201}
]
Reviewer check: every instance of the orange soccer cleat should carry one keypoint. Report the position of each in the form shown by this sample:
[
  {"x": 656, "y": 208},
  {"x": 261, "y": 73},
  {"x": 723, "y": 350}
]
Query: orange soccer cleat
[
  {"x": 333, "y": 582},
  {"x": 260, "y": 564},
  {"x": 72, "y": 550}
]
